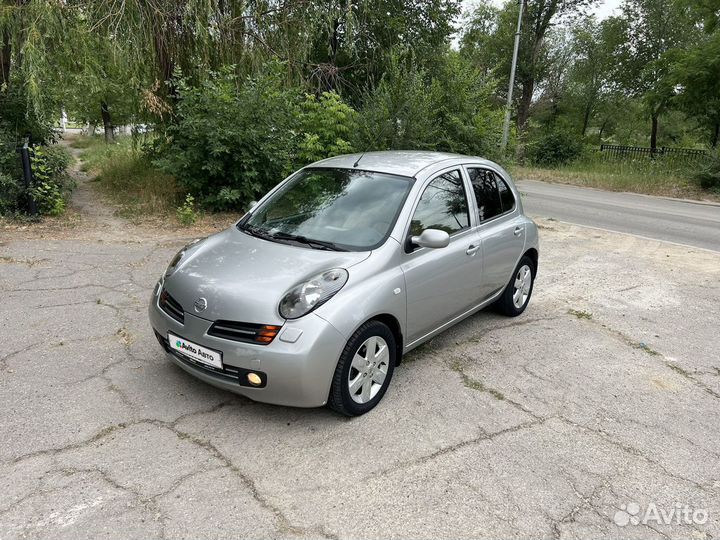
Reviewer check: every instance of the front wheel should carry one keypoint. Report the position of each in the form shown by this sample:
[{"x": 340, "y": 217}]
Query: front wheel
[
  {"x": 364, "y": 370},
  {"x": 517, "y": 293}
]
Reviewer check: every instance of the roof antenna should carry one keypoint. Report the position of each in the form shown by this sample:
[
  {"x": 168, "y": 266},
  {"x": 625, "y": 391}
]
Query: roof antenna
[
  {"x": 357, "y": 162},
  {"x": 380, "y": 135}
]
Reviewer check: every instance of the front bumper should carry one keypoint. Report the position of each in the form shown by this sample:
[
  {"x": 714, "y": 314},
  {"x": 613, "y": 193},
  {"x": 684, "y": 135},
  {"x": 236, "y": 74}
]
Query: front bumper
[{"x": 298, "y": 374}]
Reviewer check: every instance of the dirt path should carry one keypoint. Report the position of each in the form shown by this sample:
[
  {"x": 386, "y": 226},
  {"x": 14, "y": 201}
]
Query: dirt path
[
  {"x": 99, "y": 218},
  {"x": 92, "y": 216}
]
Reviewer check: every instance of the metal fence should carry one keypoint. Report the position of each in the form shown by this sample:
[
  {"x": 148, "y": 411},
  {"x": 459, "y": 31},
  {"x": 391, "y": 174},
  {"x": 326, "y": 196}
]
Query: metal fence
[{"x": 675, "y": 155}]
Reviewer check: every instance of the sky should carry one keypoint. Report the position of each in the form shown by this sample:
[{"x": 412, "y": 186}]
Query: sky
[{"x": 602, "y": 10}]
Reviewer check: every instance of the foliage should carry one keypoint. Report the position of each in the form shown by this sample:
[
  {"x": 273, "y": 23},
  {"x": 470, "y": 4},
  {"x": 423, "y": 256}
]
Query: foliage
[
  {"x": 708, "y": 177},
  {"x": 10, "y": 173},
  {"x": 554, "y": 148},
  {"x": 233, "y": 139},
  {"x": 327, "y": 125},
  {"x": 448, "y": 110},
  {"x": 398, "y": 113},
  {"x": 48, "y": 198},
  {"x": 230, "y": 133},
  {"x": 697, "y": 74},
  {"x": 186, "y": 213},
  {"x": 52, "y": 184},
  {"x": 462, "y": 108}
]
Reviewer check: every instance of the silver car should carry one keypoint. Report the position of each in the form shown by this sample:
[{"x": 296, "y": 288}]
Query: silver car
[{"x": 315, "y": 294}]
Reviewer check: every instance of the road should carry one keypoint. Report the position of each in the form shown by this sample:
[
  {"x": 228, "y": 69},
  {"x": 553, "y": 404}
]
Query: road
[{"x": 680, "y": 221}]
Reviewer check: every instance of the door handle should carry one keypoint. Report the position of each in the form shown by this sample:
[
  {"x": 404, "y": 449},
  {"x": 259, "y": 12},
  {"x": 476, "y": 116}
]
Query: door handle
[
  {"x": 518, "y": 231},
  {"x": 472, "y": 250}
]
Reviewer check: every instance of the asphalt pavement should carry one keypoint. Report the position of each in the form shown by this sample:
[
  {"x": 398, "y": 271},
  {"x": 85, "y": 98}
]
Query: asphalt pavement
[
  {"x": 592, "y": 415},
  {"x": 685, "y": 222}
]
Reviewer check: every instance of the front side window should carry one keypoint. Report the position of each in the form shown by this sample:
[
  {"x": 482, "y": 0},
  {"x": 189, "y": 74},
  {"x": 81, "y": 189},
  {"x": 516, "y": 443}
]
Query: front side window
[
  {"x": 345, "y": 209},
  {"x": 443, "y": 205}
]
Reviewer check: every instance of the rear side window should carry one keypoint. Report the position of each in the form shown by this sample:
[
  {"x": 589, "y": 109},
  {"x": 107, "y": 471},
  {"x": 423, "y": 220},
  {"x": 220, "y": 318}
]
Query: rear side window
[
  {"x": 486, "y": 193},
  {"x": 506, "y": 195},
  {"x": 443, "y": 205}
]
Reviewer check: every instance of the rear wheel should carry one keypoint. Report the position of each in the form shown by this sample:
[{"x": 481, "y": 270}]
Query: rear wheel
[
  {"x": 364, "y": 370},
  {"x": 517, "y": 293}
]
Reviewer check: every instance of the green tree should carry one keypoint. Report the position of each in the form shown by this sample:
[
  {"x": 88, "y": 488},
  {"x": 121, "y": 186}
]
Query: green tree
[
  {"x": 696, "y": 70},
  {"x": 595, "y": 47},
  {"x": 655, "y": 30}
]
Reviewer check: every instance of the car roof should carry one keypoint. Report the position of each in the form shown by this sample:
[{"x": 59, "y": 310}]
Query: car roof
[{"x": 402, "y": 162}]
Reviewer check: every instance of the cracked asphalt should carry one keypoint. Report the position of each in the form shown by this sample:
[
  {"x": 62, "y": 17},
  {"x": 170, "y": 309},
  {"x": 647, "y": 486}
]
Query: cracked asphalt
[{"x": 604, "y": 393}]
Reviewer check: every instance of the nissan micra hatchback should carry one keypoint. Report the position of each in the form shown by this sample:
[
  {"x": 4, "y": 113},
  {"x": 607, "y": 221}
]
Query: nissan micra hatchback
[{"x": 315, "y": 294}]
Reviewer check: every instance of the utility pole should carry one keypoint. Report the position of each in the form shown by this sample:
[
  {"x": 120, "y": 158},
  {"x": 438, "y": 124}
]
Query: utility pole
[{"x": 508, "y": 106}]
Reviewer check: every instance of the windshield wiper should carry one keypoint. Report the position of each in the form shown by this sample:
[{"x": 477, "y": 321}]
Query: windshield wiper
[
  {"x": 317, "y": 244},
  {"x": 255, "y": 231}
]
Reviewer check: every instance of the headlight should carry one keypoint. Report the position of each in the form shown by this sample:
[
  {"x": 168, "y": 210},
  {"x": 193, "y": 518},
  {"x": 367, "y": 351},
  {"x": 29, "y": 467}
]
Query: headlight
[
  {"x": 178, "y": 257},
  {"x": 317, "y": 290}
]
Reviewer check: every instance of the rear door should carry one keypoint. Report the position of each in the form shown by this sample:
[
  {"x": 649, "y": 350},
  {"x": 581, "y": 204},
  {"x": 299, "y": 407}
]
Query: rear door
[
  {"x": 501, "y": 228},
  {"x": 445, "y": 282}
]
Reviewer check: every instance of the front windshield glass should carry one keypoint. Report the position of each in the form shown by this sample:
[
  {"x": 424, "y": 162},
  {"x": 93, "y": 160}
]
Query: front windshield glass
[{"x": 342, "y": 209}]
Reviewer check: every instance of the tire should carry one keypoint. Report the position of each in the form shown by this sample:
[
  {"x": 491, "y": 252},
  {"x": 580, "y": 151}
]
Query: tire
[
  {"x": 355, "y": 367},
  {"x": 508, "y": 304}
]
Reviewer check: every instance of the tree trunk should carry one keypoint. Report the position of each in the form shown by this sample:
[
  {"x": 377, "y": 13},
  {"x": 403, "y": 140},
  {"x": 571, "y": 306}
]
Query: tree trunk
[
  {"x": 523, "y": 114},
  {"x": 716, "y": 135},
  {"x": 653, "y": 134},
  {"x": 107, "y": 124},
  {"x": 602, "y": 129},
  {"x": 586, "y": 120},
  {"x": 5, "y": 53}
]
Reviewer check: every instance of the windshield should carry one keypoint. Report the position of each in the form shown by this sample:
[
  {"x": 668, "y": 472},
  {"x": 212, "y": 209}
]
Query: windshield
[{"x": 343, "y": 209}]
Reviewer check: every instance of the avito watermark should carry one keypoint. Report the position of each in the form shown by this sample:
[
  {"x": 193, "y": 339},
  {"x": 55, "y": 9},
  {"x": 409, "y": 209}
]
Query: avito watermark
[{"x": 679, "y": 514}]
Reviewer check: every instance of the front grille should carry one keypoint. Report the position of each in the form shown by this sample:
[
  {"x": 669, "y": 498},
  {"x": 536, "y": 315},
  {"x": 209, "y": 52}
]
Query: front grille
[
  {"x": 228, "y": 373},
  {"x": 261, "y": 334},
  {"x": 172, "y": 307}
]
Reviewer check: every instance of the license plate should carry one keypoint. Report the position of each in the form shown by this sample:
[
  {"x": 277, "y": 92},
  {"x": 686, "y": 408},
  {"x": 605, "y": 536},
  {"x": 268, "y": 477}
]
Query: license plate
[{"x": 195, "y": 351}]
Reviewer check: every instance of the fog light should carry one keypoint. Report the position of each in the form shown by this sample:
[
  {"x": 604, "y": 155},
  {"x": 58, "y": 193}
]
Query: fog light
[{"x": 254, "y": 379}]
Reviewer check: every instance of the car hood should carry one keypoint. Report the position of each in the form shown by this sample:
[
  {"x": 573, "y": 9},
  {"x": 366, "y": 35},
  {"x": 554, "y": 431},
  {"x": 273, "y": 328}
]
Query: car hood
[{"x": 243, "y": 278}]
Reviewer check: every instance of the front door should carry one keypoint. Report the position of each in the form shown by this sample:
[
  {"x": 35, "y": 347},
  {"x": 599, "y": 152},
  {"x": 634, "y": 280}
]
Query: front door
[{"x": 441, "y": 283}]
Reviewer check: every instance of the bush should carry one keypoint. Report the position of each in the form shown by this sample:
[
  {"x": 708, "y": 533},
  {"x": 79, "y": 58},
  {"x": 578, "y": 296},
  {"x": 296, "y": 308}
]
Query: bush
[
  {"x": 554, "y": 148},
  {"x": 10, "y": 173},
  {"x": 48, "y": 198},
  {"x": 448, "y": 110},
  {"x": 229, "y": 133},
  {"x": 186, "y": 212},
  {"x": 398, "y": 113},
  {"x": 232, "y": 140},
  {"x": 327, "y": 124},
  {"x": 52, "y": 184},
  {"x": 708, "y": 177}
]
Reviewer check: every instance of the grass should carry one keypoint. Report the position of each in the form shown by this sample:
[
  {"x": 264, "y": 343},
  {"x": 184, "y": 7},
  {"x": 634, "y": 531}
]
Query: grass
[
  {"x": 580, "y": 314},
  {"x": 474, "y": 384},
  {"x": 128, "y": 177},
  {"x": 635, "y": 176}
]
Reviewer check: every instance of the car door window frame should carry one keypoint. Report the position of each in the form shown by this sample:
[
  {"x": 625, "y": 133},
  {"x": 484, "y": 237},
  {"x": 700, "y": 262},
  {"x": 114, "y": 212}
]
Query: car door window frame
[
  {"x": 498, "y": 177},
  {"x": 469, "y": 199}
]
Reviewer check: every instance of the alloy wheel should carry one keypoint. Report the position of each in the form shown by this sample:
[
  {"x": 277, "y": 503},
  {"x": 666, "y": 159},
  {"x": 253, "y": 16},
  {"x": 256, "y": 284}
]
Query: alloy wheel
[
  {"x": 523, "y": 281},
  {"x": 368, "y": 369}
]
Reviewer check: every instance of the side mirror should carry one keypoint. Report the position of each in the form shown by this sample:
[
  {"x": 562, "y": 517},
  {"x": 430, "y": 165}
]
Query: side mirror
[{"x": 431, "y": 238}]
